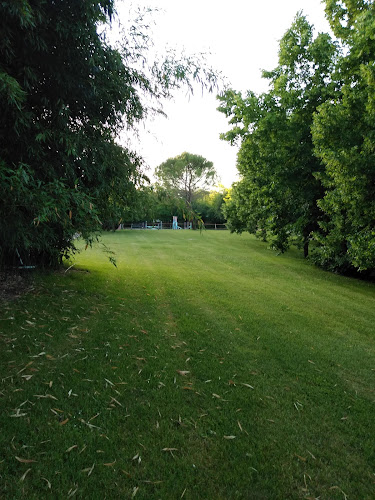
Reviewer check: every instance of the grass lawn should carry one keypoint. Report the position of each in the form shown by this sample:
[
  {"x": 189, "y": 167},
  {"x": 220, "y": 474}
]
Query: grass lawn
[{"x": 202, "y": 367}]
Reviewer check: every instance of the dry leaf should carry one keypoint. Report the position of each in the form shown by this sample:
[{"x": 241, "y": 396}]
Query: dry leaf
[
  {"x": 24, "y": 475},
  {"x": 182, "y": 372},
  {"x": 23, "y": 369},
  {"x": 135, "y": 491},
  {"x": 170, "y": 449},
  {"x": 24, "y": 460},
  {"x": 48, "y": 483},
  {"x": 248, "y": 385},
  {"x": 89, "y": 469},
  {"x": 229, "y": 437},
  {"x": 40, "y": 396},
  {"x": 72, "y": 492},
  {"x": 64, "y": 421},
  {"x": 71, "y": 448}
]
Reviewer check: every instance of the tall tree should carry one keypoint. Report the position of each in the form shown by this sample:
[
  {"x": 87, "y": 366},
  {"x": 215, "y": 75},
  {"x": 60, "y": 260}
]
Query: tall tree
[
  {"x": 65, "y": 93},
  {"x": 344, "y": 138},
  {"x": 185, "y": 174},
  {"x": 278, "y": 190}
]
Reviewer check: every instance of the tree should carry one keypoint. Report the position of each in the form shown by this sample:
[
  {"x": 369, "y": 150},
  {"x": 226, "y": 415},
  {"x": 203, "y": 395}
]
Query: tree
[
  {"x": 209, "y": 205},
  {"x": 278, "y": 191},
  {"x": 344, "y": 138},
  {"x": 184, "y": 175},
  {"x": 65, "y": 94}
]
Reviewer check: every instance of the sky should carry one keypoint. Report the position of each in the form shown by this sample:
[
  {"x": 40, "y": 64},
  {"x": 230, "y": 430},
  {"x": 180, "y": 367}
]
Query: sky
[{"x": 242, "y": 37}]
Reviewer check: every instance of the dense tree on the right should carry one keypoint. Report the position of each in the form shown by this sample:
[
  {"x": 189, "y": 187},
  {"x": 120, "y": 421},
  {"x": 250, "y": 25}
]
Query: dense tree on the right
[
  {"x": 277, "y": 195},
  {"x": 344, "y": 139}
]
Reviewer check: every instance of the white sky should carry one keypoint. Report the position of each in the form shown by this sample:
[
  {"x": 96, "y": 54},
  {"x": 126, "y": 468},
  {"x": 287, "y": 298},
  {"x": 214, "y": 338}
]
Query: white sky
[{"x": 243, "y": 38}]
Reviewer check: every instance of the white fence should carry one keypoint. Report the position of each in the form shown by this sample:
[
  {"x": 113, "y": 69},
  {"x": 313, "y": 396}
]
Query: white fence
[{"x": 168, "y": 225}]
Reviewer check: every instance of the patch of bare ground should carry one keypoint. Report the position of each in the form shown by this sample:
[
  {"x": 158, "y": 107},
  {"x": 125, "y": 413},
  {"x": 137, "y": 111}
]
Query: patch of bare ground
[{"x": 13, "y": 284}]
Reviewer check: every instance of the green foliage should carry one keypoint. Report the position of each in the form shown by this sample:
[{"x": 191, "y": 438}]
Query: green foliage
[
  {"x": 307, "y": 146},
  {"x": 65, "y": 94},
  {"x": 278, "y": 191},
  {"x": 344, "y": 138},
  {"x": 185, "y": 174},
  {"x": 182, "y": 177},
  {"x": 209, "y": 204}
]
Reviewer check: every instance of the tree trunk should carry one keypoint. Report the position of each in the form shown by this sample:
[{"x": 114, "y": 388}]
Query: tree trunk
[{"x": 306, "y": 248}]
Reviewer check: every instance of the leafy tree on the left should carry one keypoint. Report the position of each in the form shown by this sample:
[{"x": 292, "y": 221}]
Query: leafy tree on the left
[{"x": 65, "y": 93}]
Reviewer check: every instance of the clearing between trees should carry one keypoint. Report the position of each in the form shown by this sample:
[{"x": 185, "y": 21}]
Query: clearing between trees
[{"x": 203, "y": 366}]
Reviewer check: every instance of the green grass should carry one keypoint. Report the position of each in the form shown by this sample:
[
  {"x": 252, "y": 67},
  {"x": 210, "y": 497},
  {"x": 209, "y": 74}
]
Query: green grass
[{"x": 278, "y": 401}]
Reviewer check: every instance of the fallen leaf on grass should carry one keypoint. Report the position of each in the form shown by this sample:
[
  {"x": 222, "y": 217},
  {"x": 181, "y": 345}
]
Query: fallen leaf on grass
[
  {"x": 71, "y": 448},
  {"x": 182, "y": 372},
  {"x": 24, "y": 460},
  {"x": 72, "y": 492},
  {"x": 170, "y": 449},
  {"x": 22, "y": 478},
  {"x": 110, "y": 464},
  {"x": 248, "y": 385},
  {"x": 64, "y": 421},
  {"x": 115, "y": 400},
  {"x": 89, "y": 469},
  {"x": 48, "y": 483},
  {"x": 44, "y": 396},
  {"x": 337, "y": 488},
  {"x": 23, "y": 369},
  {"x": 18, "y": 414},
  {"x": 229, "y": 437},
  {"x": 92, "y": 426},
  {"x": 135, "y": 491}
]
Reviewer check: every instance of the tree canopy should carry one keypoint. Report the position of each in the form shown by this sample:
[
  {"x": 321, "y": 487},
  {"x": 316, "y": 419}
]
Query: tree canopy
[
  {"x": 306, "y": 156},
  {"x": 344, "y": 138},
  {"x": 185, "y": 174},
  {"x": 65, "y": 94},
  {"x": 277, "y": 193}
]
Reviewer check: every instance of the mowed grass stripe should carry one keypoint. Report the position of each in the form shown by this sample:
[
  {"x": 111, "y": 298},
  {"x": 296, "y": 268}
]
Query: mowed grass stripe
[{"x": 204, "y": 366}]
